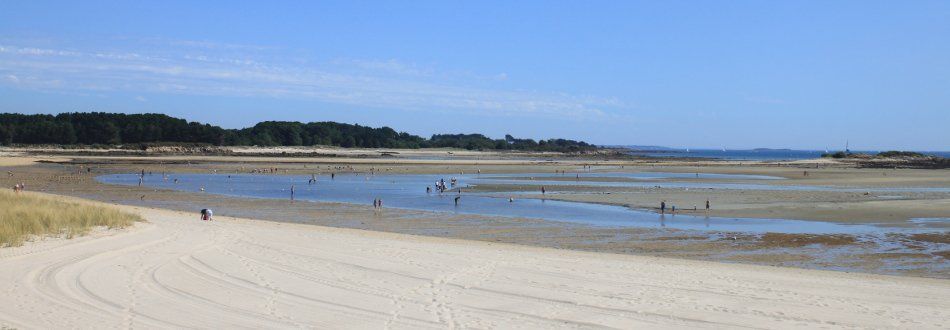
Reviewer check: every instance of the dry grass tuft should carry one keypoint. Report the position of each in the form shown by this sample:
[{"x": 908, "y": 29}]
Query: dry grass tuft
[{"x": 24, "y": 215}]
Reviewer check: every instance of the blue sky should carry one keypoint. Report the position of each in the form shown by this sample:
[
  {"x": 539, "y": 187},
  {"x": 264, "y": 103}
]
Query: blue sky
[{"x": 739, "y": 74}]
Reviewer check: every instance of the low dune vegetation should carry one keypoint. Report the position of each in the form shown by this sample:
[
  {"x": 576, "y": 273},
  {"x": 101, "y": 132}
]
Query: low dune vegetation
[{"x": 26, "y": 215}]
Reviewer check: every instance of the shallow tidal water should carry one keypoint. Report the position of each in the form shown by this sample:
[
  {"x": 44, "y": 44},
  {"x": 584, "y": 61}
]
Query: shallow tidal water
[
  {"x": 408, "y": 191},
  {"x": 652, "y": 179}
]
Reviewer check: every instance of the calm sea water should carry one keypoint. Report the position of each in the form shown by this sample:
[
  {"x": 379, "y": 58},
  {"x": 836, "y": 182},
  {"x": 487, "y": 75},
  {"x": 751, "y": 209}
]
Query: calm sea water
[
  {"x": 767, "y": 154},
  {"x": 409, "y": 192}
]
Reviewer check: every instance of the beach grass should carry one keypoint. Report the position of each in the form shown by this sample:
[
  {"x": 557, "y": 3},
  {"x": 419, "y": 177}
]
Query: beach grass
[{"x": 26, "y": 215}]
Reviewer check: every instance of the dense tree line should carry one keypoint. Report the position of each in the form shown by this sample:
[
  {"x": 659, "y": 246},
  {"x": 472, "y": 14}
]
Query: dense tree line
[
  {"x": 104, "y": 128},
  {"x": 283, "y": 133},
  {"x": 481, "y": 142},
  {"x": 113, "y": 129}
]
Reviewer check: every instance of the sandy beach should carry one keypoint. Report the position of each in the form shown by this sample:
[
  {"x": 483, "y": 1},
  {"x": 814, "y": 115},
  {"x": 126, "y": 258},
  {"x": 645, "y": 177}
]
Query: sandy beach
[{"x": 177, "y": 271}]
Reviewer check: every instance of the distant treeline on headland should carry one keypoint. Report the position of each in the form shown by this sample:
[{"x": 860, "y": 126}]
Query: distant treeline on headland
[{"x": 99, "y": 128}]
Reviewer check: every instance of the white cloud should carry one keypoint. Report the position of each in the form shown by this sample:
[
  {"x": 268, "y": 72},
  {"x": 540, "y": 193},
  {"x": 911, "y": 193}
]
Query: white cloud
[{"x": 213, "y": 69}]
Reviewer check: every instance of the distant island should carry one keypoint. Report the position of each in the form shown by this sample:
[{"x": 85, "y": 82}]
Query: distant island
[{"x": 100, "y": 128}]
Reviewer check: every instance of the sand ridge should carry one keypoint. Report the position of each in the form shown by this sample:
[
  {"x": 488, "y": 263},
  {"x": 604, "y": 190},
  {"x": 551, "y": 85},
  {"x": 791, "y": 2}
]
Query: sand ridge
[{"x": 176, "y": 271}]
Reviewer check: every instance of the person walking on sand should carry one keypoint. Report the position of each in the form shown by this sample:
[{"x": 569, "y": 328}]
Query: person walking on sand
[
  {"x": 663, "y": 207},
  {"x": 542, "y": 190},
  {"x": 707, "y": 206},
  {"x": 673, "y": 209},
  {"x": 375, "y": 204},
  {"x": 206, "y": 214}
]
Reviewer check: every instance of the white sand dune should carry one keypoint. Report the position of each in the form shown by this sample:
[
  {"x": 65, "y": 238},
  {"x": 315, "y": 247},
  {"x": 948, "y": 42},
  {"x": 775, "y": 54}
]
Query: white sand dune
[{"x": 178, "y": 272}]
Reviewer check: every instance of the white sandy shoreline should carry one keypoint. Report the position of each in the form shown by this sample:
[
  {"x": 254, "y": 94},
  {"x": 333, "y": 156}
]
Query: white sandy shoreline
[{"x": 178, "y": 272}]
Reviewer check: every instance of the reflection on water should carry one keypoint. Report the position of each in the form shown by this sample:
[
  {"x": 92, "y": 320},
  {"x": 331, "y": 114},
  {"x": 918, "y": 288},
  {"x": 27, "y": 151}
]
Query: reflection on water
[{"x": 409, "y": 191}]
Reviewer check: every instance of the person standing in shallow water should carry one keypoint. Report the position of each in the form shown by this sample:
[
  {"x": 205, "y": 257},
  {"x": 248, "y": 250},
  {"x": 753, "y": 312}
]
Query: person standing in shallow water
[{"x": 663, "y": 207}]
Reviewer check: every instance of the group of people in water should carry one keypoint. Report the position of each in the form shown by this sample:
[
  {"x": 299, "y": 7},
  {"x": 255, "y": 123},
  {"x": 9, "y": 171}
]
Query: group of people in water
[
  {"x": 441, "y": 187},
  {"x": 673, "y": 207}
]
